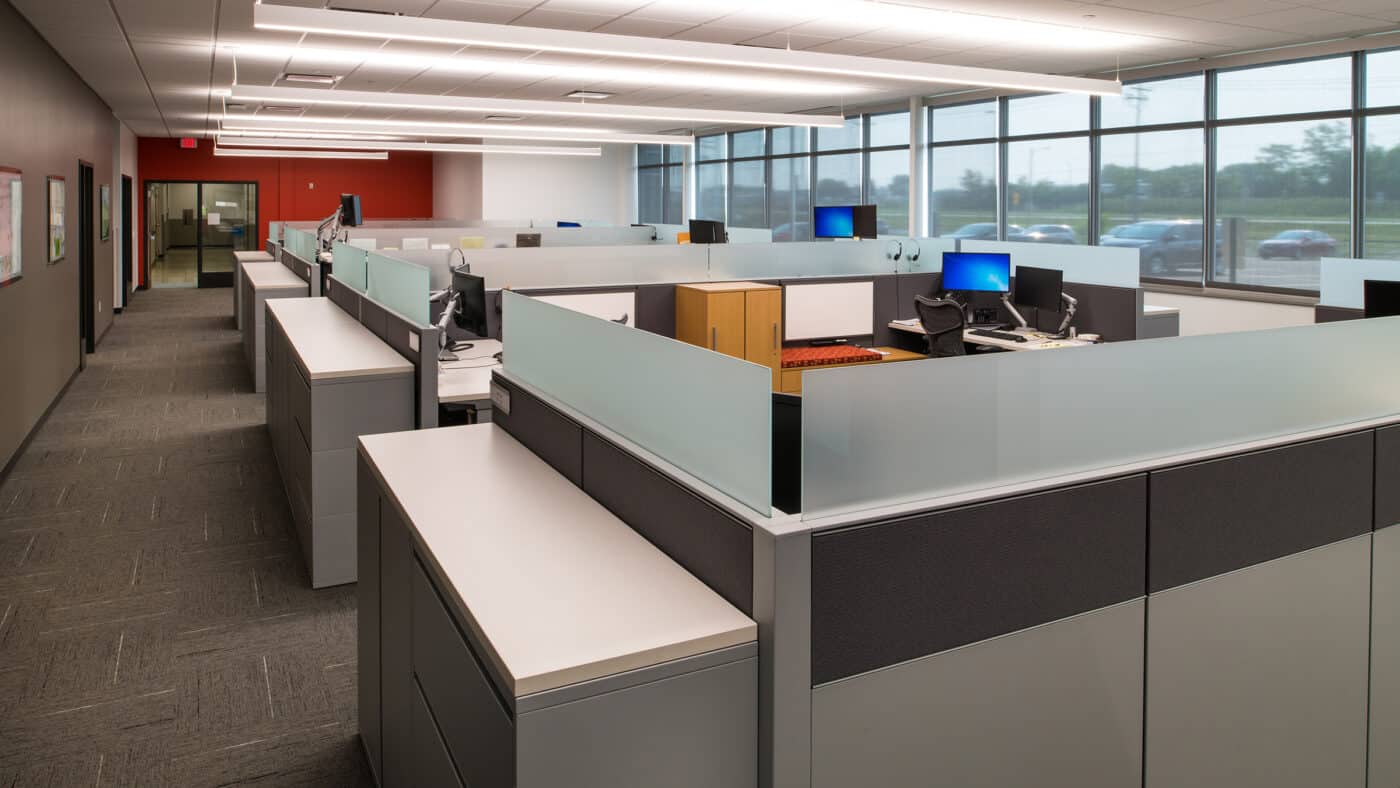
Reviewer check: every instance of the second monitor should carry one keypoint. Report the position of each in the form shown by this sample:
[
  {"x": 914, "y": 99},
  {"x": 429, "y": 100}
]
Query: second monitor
[{"x": 976, "y": 272}]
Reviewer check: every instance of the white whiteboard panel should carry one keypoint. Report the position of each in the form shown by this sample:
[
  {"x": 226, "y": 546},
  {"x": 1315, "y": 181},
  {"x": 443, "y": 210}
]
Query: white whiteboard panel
[
  {"x": 606, "y": 306},
  {"x": 824, "y": 311}
]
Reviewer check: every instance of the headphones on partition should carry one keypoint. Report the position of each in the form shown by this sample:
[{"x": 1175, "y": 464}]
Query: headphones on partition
[{"x": 894, "y": 250}]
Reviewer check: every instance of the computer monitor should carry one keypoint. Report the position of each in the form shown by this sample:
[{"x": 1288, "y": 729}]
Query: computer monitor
[
  {"x": 976, "y": 272},
  {"x": 704, "y": 231},
  {"x": 866, "y": 224},
  {"x": 1382, "y": 298},
  {"x": 350, "y": 211},
  {"x": 470, "y": 291},
  {"x": 833, "y": 221},
  {"x": 567, "y": 224},
  {"x": 527, "y": 240},
  {"x": 1039, "y": 287}
]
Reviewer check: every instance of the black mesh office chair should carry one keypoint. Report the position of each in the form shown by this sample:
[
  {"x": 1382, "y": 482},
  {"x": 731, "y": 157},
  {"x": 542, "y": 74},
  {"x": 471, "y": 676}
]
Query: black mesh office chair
[{"x": 943, "y": 323}]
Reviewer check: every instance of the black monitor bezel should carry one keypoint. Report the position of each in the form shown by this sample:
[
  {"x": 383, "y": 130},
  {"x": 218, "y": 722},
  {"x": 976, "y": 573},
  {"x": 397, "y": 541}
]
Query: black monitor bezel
[{"x": 1051, "y": 301}]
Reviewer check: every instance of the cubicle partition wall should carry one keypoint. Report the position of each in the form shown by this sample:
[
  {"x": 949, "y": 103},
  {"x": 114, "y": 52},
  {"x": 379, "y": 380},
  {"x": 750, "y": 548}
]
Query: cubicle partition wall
[
  {"x": 298, "y": 252},
  {"x": 389, "y": 236},
  {"x": 1081, "y": 568},
  {"x": 1342, "y": 290},
  {"x": 668, "y": 234}
]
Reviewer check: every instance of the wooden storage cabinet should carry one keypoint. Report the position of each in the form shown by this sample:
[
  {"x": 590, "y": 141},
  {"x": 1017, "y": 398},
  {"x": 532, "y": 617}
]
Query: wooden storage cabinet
[{"x": 740, "y": 319}]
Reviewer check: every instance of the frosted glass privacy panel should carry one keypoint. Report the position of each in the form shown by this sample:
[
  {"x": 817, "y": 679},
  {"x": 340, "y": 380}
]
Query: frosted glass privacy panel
[
  {"x": 399, "y": 286},
  {"x": 1344, "y": 281},
  {"x": 274, "y": 231},
  {"x": 349, "y": 266},
  {"x": 920, "y": 255},
  {"x": 1090, "y": 265},
  {"x": 706, "y": 413},
  {"x": 730, "y": 262},
  {"x": 897, "y": 433}
]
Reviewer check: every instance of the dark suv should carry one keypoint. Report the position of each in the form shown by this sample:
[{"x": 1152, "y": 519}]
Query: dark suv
[{"x": 1162, "y": 246}]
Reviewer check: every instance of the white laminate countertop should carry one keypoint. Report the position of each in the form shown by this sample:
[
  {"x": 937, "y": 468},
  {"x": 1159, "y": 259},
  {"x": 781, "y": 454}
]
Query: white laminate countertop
[
  {"x": 557, "y": 588},
  {"x": 267, "y": 274},
  {"x": 332, "y": 344},
  {"x": 1149, "y": 310},
  {"x": 256, "y": 256},
  {"x": 468, "y": 379}
]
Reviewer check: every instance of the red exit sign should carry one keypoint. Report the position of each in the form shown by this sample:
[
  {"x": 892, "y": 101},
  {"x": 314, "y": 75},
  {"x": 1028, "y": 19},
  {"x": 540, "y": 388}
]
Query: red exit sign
[{"x": 189, "y": 143}]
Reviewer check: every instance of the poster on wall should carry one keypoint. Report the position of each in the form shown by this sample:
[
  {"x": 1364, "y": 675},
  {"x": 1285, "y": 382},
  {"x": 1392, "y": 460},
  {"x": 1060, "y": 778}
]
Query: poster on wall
[
  {"x": 11, "y": 213},
  {"x": 58, "y": 233},
  {"x": 105, "y": 231}
]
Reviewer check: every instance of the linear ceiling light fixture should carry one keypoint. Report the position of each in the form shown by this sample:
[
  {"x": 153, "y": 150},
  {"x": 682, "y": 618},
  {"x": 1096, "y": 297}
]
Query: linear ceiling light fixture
[
  {"x": 263, "y": 153},
  {"x": 319, "y": 127},
  {"x": 435, "y": 147},
  {"x": 314, "y": 134},
  {"x": 475, "y": 64},
  {"x": 360, "y": 98},
  {"x": 445, "y": 31}
]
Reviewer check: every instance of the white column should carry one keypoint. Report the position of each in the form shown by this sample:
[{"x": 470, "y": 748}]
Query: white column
[{"x": 918, "y": 170}]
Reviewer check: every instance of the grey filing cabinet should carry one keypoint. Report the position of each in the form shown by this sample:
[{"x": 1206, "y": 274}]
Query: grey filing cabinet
[
  {"x": 435, "y": 710},
  {"x": 261, "y": 282},
  {"x": 329, "y": 381},
  {"x": 239, "y": 259}
]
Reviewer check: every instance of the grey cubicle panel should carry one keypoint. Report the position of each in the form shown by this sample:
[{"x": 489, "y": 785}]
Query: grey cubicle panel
[
  {"x": 308, "y": 271},
  {"x": 418, "y": 344},
  {"x": 656, "y": 305},
  {"x": 1333, "y": 314}
]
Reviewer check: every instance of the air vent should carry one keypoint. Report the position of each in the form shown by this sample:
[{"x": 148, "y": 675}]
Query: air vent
[
  {"x": 235, "y": 106},
  {"x": 310, "y": 79},
  {"x": 272, "y": 109},
  {"x": 505, "y": 118},
  {"x": 589, "y": 94}
]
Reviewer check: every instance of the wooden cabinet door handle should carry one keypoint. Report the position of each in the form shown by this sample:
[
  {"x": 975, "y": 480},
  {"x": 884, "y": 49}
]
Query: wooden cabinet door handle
[
  {"x": 714, "y": 337},
  {"x": 775, "y": 336}
]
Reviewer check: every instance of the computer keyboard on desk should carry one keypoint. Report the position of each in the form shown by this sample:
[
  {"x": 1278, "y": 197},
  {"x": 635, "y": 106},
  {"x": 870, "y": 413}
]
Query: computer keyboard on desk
[{"x": 982, "y": 332}]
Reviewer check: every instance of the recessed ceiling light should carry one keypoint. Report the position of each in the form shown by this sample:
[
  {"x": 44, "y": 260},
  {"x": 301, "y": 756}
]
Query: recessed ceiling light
[
  {"x": 505, "y": 118},
  {"x": 263, "y": 153},
  {"x": 589, "y": 94},
  {"x": 885, "y": 15},
  {"x": 439, "y": 147},
  {"x": 310, "y": 79},
  {"x": 362, "y": 98},
  {"x": 360, "y": 127}
]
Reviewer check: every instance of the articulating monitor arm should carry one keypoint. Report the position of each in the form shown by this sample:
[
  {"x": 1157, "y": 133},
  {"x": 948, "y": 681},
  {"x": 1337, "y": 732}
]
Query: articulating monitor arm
[{"x": 1071, "y": 306}]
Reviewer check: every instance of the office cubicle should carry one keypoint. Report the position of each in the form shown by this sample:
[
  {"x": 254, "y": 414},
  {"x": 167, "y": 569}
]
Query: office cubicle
[
  {"x": 1048, "y": 568},
  {"x": 1341, "y": 293}
]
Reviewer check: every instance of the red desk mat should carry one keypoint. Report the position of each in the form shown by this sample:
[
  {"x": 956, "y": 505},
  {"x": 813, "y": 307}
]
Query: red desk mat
[{"x": 824, "y": 356}]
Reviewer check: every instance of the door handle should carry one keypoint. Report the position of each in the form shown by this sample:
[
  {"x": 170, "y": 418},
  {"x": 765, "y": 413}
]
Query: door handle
[{"x": 714, "y": 337}]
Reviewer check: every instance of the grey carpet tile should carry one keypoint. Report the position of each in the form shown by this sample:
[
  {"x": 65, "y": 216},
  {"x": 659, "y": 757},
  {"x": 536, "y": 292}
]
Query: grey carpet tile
[{"x": 157, "y": 625}]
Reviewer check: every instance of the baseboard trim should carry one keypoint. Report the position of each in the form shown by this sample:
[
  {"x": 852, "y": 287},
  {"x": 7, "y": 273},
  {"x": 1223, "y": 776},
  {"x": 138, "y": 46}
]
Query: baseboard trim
[{"x": 38, "y": 425}]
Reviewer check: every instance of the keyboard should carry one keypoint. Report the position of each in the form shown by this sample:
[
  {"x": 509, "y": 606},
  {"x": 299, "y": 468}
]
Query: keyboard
[{"x": 1002, "y": 335}]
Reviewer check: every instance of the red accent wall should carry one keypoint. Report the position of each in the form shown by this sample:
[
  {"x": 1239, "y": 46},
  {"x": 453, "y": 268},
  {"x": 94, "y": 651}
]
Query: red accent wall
[{"x": 398, "y": 188}]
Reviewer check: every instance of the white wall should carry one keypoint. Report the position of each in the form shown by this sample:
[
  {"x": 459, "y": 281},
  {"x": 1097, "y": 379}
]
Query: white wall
[
  {"x": 1202, "y": 315},
  {"x": 457, "y": 186},
  {"x": 555, "y": 187}
]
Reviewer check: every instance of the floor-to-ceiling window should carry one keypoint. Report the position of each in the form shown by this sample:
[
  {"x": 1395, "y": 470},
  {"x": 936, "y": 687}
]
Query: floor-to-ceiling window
[{"x": 660, "y": 184}]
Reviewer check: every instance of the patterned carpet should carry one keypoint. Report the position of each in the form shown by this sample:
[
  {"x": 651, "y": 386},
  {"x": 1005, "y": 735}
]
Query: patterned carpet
[{"x": 157, "y": 626}]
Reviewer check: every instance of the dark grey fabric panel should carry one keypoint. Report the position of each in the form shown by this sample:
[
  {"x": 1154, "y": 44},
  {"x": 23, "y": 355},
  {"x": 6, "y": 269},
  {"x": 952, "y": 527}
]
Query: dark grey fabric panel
[
  {"x": 1215, "y": 517},
  {"x": 374, "y": 317},
  {"x": 556, "y": 438},
  {"x": 886, "y": 308},
  {"x": 787, "y": 452},
  {"x": 1333, "y": 314},
  {"x": 708, "y": 542},
  {"x": 493, "y": 313},
  {"x": 656, "y": 309},
  {"x": 894, "y": 591},
  {"x": 397, "y": 332},
  {"x": 1109, "y": 311},
  {"x": 910, "y": 285},
  {"x": 345, "y": 297},
  {"x": 1387, "y": 477}
]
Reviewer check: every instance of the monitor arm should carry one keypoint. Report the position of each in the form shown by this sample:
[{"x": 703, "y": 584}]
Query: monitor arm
[
  {"x": 453, "y": 304},
  {"x": 1010, "y": 307},
  {"x": 1071, "y": 306},
  {"x": 333, "y": 222}
]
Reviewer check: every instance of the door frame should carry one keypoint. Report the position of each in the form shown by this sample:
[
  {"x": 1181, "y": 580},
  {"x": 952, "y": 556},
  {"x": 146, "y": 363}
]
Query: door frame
[
  {"x": 202, "y": 279},
  {"x": 127, "y": 225},
  {"x": 87, "y": 297}
]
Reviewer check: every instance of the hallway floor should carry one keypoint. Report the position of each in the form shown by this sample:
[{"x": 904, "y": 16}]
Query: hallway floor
[{"x": 157, "y": 626}]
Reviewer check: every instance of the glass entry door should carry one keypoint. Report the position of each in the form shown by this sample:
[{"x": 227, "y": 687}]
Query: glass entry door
[
  {"x": 228, "y": 223},
  {"x": 193, "y": 229}
]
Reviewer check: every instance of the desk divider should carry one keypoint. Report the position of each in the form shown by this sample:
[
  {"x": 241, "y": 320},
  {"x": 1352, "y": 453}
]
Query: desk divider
[
  {"x": 1090, "y": 265},
  {"x": 788, "y": 260},
  {"x": 416, "y": 343},
  {"x": 708, "y": 414},
  {"x": 1343, "y": 280},
  {"x": 351, "y": 266},
  {"x": 902, "y": 433},
  {"x": 400, "y": 286}
]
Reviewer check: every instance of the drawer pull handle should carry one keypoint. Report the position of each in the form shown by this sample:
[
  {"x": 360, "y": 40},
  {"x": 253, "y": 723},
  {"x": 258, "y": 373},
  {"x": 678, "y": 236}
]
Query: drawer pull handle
[{"x": 714, "y": 337}]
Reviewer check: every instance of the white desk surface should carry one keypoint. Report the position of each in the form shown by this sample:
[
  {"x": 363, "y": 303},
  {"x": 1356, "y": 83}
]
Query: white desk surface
[
  {"x": 332, "y": 344},
  {"x": 1149, "y": 310},
  {"x": 468, "y": 379},
  {"x": 1036, "y": 340},
  {"x": 556, "y": 588},
  {"x": 269, "y": 275},
  {"x": 258, "y": 256}
]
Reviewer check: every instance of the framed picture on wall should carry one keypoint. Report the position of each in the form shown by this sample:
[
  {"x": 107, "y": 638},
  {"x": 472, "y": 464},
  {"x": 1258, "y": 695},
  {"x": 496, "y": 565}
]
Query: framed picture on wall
[
  {"x": 105, "y": 202},
  {"x": 58, "y": 232},
  {"x": 11, "y": 213}
]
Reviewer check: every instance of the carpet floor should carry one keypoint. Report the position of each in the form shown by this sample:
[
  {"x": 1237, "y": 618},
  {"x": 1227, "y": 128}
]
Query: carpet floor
[{"x": 157, "y": 625}]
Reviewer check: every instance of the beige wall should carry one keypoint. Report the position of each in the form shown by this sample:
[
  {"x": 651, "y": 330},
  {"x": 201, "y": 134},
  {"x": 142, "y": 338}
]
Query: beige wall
[
  {"x": 457, "y": 186},
  {"x": 50, "y": 120},
  {"x": 1201, "y": 315}
]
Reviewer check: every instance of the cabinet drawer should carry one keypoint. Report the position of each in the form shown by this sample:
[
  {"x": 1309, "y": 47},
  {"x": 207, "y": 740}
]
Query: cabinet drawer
[
  {"x": 299, "y": 402},
  {"x": 478, "y": 730},
  {"x": 428, "y": 760}
]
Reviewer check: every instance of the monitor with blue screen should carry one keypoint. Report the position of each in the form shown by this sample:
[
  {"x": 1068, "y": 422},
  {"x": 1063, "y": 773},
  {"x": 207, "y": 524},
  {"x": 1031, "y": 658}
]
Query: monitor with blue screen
[
  {"x": 976, "y": 272},
  {"x": 834, "y": 221}
]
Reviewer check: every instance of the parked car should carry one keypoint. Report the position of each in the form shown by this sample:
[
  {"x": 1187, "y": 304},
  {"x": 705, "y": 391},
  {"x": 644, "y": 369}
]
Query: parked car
[
  {"x": 1161, "y": 245},
  {"x": 981, "y": 231},
  {"x": 793, "y": 231},
  {"x": 1114, "y": 232},
  {"x": 1299, "y": 245},
  {"x": 1045, "y": 234}
]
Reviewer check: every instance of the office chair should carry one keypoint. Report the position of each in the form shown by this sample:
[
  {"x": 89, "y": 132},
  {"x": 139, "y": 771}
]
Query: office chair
[{"x": 943, "y": 323}]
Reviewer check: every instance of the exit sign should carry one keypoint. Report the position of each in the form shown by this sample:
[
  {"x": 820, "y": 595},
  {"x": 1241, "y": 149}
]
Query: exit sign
[{"x": 189, "y": 143}]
